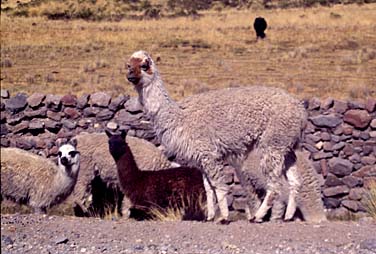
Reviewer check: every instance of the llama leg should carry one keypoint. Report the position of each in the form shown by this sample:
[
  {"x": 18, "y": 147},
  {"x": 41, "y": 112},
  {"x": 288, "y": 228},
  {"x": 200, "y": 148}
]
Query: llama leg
[
  {"x": 271, "y": 166},
  {"x": 294, "y": 185},
  {"x": 210, "y": 199},
  {"x": 278, "y": 210},
  {"x": 214, "y": 170}
]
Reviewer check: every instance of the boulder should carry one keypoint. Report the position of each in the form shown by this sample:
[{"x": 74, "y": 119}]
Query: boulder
[
  {"x": 35, "y": 100},
  {"x": 340, "y": 167},
  {"x": 100, "y": 99},
  {"x": 328, "y": 121},
  {"x": 17, "y": 103},
  {"x": 358, "y": 118}
]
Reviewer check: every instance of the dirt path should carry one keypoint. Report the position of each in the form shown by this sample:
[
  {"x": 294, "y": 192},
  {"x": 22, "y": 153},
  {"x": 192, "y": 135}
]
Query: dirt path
[{"x": 54, "y": 234}]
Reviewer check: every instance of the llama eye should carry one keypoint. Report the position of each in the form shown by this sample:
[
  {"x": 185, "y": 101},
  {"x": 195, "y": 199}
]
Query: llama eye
[
  {"x": 73, "y": 153},
  {"x": 128, "y": 66},
  {"x": 145, "y": 67},
  {"x": 59, "y": 154}
]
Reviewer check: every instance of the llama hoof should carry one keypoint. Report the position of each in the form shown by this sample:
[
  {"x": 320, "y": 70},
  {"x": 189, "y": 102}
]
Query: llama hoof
[
  {"x": 223, "y": 221},
  {"x": 254, "y": 220}
]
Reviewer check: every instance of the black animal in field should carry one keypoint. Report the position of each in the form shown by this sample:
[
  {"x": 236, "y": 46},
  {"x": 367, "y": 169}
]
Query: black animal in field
[{"x": 260, "y": 25}]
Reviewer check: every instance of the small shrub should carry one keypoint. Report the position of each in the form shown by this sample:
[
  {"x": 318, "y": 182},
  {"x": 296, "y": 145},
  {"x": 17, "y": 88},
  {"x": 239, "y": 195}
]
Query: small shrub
[
  {"x": 369, "y": 200},
  {"x": 6, "y": 63}
]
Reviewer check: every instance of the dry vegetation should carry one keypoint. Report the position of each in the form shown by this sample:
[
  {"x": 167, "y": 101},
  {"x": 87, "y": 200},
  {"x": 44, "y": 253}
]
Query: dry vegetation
[{"x": 321, "y": 51}]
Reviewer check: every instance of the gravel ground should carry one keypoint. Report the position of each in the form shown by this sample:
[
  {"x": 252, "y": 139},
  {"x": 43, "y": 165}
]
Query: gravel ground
[{"x": 53, "y": 234}]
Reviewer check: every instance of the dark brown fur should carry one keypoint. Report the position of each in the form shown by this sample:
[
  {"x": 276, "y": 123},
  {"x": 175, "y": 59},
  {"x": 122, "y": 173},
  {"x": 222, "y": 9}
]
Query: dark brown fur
[{"x": 174, "y": 187}]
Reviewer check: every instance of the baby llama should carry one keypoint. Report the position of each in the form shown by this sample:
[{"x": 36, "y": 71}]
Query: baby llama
[
  {"x": 211, "y": 128},
  {"x": 177, "y": 188}
]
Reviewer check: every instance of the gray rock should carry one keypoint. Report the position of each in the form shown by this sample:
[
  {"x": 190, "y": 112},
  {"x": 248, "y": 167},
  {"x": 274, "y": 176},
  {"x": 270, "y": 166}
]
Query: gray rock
[
  {"x": 340, "y": 106},
  {"x": 355, "y": 158},
  {"x": 364, "y": 135},
  {"x": 21, "y": 127},
  {"x": 365, "y": 171},
  {"x": 368, "y": 160},
  {"x": 352, "y": 181},
  {"x": 325, "y": 136},
  {"x": 356, "y": 105},
  {"x": 84, "y": 123},
  {"x": 105, "y": 115},
  {"x": 321, "y": 155},
  {"x": 42, "y": 112},
  {"x": 350, "y": 204},
  {"x": 310, "y": 148},
  {"x": 327, "y": 104},
  {"x": 24, "y": 143},
  {"x": 314, "y": 104},
  {"x": 15, "y": 119},
  {"x": 133, "y": 105},
  {"x": 17, "y": 103},
  {"x": 69, "y": 124},
  {"x": 4, "y": 94},
  {"x": 36, "y": 124},
  {"x": 339, "y": 146},
  {"x": 335, "y": 191},
  {"x": 91, "y": 111},
  {"x": 100, "y": 99},
  {"x": 72, "y": 113},
  {"x": 35, "y": 100},
  {"x": 356, "y": 194},
  {"x": 348, "y": 150},
  {"x": 332, "y": 180},
  {"x": 312, "y": 139},
  {"x": 54, "y": 115},
  {"x": 357, "y": 118},
  {"x": 331, "y": 203},
  {"x": 118, "y": 102},
  {"x": 53, "y": 102},
  {"x": 329, "y": 121},
  {"x": 69, "y": 100},
  {"x": 340, "y": 167},
  {"x": 123, "y": 117},
  {"x": 367, "y": 150},
  {"x": 83, "y": 101}
]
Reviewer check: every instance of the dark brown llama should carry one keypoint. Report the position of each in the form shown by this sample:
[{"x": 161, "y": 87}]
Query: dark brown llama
[{"x": 177, "y": 188}]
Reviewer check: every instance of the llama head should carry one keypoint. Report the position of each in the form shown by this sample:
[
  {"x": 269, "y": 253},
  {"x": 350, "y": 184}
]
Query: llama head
[
  {"x": 141, "y": 69},
  {"x": 69, "y": 159},
  {"x": 117, "y": 144}
]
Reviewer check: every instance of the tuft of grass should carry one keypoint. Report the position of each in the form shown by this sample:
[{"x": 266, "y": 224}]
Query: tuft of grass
[
  {"x": 192, "y": 207},
  {"x": 369, "y": 199}
]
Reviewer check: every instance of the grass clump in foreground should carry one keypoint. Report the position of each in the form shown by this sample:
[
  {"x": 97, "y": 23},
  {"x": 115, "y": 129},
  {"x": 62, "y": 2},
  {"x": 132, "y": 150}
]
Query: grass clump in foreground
[{"x": 369, "y": 199}]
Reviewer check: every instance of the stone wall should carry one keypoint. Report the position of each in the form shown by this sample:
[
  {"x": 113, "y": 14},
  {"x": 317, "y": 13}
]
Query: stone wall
[{"x": 341, "y": 136}]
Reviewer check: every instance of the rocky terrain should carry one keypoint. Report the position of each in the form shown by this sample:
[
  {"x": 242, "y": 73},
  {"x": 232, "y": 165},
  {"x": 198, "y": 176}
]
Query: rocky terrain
[{"x": 54, "y": 234}]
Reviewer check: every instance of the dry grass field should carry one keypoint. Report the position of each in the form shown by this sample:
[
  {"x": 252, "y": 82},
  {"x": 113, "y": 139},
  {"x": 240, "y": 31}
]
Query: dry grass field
[{"x": 322, "y": 51}]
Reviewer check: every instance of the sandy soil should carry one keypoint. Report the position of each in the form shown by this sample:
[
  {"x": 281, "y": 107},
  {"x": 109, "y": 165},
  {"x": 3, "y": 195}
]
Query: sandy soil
[{"x": 54, "y": 234}]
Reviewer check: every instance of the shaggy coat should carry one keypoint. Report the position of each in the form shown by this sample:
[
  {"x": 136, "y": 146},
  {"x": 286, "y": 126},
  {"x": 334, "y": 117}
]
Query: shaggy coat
[
  {"x": 209, "y": 128},
  {"x": 97, "y": 163},
  {"x": 36, "y": 181},
  {"x": 174, "y": 188},
  {"x": 302, "y": 188}
]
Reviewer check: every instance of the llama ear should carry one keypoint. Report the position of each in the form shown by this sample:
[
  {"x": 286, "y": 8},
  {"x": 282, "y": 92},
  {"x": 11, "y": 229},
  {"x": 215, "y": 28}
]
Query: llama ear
[
  {"x": 73, "y": 142},
  {"x": 59, "y": 142},
  {"x": 108, "y": 133}
]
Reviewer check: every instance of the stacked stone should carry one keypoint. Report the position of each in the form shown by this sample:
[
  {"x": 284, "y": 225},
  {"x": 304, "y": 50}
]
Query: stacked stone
[
  {"x": 341, "y": 137},
  {"x": 35, "y": 123}
]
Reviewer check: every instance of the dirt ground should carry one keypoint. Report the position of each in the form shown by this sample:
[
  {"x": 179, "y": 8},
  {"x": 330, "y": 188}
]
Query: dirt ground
[{"x": 54, "y": 234}]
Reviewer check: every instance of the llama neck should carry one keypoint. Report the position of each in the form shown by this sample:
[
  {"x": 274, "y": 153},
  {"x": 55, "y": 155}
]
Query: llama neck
[
  {"x": 157, "y": 103},
  {"x": 63, "y": 184},
  {"x": 127, "y": 168}
]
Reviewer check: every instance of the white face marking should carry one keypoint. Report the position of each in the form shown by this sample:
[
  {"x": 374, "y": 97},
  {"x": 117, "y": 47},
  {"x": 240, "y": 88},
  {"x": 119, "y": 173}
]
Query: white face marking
[
  {"x": 140, "y": 54},
  {"x": 68, "y": 157}
]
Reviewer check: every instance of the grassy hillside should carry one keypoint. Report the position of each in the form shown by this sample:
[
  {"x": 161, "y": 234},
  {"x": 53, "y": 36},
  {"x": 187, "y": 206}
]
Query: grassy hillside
[{"x": 320, "y": 51}]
